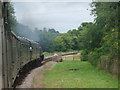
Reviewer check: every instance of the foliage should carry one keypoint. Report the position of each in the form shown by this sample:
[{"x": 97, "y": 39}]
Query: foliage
[
  {"x": 107, "y": 23},
  {"x": 63, "y": 42},
  {"x": 10, "y": 17}
]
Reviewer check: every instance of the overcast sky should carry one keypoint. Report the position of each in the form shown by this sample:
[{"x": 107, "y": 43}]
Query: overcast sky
[{"x": 62, "y": 16}]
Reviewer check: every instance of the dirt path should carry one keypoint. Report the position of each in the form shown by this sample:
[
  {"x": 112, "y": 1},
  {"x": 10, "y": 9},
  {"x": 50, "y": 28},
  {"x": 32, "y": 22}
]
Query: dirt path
[{"x": 33, "y": 78}]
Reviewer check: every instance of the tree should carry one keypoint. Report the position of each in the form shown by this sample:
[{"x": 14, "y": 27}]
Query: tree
[
  {"x": 10, "y": 16},
  {"x": 101, "y": 38}
]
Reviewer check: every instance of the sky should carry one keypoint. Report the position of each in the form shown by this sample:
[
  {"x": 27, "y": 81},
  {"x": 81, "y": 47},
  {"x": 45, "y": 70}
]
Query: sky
[{"x": 62, "y": 16}]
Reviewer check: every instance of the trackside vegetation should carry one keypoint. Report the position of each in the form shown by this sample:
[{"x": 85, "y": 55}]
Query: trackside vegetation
[{"x": 86, "y": 76}]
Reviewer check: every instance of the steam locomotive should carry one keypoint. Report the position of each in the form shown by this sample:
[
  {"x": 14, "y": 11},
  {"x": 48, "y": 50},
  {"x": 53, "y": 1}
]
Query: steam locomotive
[{"x": 15, "y": 52}]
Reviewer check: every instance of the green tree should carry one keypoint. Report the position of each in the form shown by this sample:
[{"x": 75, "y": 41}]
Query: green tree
[{"x": 101, "y": 38}]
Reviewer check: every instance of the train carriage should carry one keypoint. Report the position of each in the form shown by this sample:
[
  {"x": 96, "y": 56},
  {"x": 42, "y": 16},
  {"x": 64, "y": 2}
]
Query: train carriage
[
  {"x": 16, "y": 53},
  {"x": 1, "y": 44}
]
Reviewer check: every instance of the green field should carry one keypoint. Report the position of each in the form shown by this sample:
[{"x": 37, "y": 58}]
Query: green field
[{"x": 85, "y": 77}]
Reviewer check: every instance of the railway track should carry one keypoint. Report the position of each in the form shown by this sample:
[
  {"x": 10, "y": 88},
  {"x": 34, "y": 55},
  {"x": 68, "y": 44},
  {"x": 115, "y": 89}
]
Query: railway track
[{"x": 27, "y": 69}]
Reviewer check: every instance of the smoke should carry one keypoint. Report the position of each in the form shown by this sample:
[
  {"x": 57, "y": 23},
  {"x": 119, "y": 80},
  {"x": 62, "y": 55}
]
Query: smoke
[{"x": 27, "y": 32}]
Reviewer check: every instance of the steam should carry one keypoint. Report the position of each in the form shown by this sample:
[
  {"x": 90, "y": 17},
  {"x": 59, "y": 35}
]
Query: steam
[{"x": 27, "y": 32}]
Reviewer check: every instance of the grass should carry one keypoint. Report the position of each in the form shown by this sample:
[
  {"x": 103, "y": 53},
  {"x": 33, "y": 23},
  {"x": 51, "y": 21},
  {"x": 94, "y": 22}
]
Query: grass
[{"x": 86, "y": 77}]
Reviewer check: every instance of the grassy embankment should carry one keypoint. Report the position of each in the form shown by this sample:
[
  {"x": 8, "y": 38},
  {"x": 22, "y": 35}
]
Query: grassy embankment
[{"x": 85, "y": 77}]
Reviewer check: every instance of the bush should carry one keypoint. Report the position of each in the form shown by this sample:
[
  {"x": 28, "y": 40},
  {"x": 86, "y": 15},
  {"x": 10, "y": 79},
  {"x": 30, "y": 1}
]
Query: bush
[
  {"x": 84, "y": 55},
  {"x": 94, "y": 58}
]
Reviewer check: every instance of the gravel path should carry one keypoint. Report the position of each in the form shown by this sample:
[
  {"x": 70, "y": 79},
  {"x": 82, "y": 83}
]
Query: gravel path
[{"x": 32, "y": 78}]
